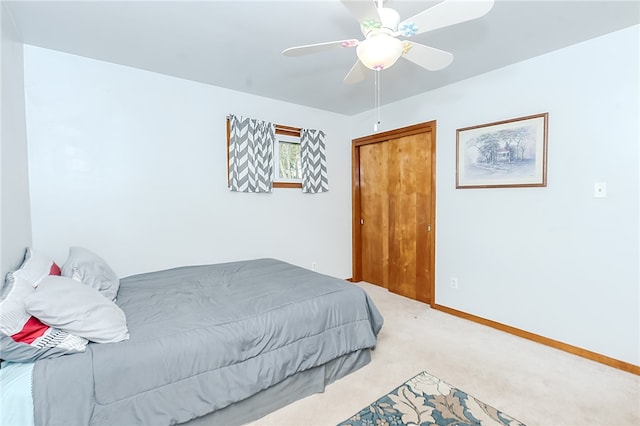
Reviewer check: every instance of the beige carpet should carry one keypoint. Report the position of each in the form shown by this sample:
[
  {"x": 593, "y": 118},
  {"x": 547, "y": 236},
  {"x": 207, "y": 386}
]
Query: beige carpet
[{"x": 536, "y": 384}]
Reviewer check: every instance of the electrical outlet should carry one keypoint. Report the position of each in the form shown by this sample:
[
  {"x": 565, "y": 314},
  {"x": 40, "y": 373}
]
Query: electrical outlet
[
  {"x": 454, "y": 283},
  {"x": 600, "y": 190},
  {"x": 314, "y": 266}
]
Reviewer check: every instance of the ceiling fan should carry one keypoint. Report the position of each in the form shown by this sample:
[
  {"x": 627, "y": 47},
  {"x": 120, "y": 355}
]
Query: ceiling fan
[{"x": 382, "y": 27}]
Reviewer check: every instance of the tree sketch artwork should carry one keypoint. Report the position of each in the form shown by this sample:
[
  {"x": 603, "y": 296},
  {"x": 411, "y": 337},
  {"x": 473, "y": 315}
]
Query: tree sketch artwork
[{"x": 503, "y": 154}]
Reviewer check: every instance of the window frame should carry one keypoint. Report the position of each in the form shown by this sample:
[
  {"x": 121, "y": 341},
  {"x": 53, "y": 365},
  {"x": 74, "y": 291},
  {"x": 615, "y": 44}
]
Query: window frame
[
  {"x": 280, "y": 138},
  {"x": 292, "y": 132}
]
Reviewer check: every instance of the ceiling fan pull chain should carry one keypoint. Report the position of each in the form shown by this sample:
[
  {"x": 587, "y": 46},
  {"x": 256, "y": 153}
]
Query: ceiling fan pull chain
[{"x": 377, "y": 99}]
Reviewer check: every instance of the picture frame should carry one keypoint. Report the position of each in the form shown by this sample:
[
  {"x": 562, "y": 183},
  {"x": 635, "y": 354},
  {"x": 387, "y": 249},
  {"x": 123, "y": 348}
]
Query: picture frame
[{"x": 503, "y": 154}]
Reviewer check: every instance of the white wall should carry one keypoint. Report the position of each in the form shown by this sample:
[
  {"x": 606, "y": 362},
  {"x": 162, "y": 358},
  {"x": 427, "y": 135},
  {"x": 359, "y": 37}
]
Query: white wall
[
  {"x": 15, "y": 216},
  {"x": 132, "y": 165},
  {"x": 553, "y": 261}
]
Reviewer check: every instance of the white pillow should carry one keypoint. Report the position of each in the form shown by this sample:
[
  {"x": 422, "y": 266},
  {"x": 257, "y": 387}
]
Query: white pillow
[
  {"x": 13, "y": 315},
  {"x": 63, "y": 303},
  {"x": 35, "y": 267},
  {"x": 90, "y": 269},
  {"x": 33, "y": 339}
]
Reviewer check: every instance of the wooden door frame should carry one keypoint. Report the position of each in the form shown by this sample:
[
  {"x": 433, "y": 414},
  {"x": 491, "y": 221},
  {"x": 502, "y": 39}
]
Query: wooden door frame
[{"x": 356, "y": 241}]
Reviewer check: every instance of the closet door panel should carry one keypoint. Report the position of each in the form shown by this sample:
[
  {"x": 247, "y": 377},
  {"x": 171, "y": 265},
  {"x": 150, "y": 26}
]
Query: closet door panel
[
  {"x": 374, "y": 214},
  {"x": 406, "y": 215}
]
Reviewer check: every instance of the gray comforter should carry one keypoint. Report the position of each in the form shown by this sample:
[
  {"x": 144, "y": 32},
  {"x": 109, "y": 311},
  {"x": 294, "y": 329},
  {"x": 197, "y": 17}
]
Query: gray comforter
[{"x": 202, "y": 338}]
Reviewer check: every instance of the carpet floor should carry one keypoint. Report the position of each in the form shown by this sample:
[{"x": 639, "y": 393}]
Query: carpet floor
[{"x": 535, "y": 384}]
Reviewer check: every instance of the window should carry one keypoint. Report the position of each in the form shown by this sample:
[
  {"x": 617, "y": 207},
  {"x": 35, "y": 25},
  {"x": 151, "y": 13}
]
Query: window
[
  {"x": 265, "y": 155},
  {"x": 287, "y": 167},
  {"x": 287, "y": 164}
]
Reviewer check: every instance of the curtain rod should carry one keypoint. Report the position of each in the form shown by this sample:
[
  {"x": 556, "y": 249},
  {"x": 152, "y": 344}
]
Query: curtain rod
[{"x": 283, "y": 127}]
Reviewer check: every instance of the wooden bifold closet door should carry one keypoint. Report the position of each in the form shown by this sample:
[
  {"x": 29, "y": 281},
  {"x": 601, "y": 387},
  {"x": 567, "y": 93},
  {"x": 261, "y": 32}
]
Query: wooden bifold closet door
[{"x": 393, "y": 199}]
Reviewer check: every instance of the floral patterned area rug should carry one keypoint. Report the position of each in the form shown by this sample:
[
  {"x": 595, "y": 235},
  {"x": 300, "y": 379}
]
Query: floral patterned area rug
[{"x": 427, "y": 400}]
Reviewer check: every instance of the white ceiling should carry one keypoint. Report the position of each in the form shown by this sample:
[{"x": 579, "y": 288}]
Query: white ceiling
[{"x": 238, "y": 44}]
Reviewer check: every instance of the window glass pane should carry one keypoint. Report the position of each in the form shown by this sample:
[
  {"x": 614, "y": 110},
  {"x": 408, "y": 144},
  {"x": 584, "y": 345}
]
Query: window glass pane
[{"x": 289, "y": 164}]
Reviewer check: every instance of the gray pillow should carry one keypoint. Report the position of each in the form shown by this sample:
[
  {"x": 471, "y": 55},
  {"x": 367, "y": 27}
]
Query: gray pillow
[
  {"x": 90, "y": 269},
  {"x": 78, "y": 309}
]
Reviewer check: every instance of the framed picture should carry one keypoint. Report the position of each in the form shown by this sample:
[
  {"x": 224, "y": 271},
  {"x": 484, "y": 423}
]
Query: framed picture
[{"x": 504, "y": 154}]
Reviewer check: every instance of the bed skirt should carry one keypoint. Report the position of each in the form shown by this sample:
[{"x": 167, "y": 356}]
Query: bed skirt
[{"x": 291, "y": 389}]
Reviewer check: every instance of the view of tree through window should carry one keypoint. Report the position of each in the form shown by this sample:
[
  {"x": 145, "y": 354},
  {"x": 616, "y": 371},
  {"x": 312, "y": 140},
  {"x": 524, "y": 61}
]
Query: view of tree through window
[{"x": 289, "y": 165}]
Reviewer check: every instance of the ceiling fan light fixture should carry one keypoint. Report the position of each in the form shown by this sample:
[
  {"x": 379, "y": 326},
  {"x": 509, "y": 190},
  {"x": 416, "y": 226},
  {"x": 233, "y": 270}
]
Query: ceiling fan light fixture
[{"x": 379, "y": 52}]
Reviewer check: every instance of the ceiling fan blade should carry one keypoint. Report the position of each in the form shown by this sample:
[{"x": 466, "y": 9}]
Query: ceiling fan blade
[
  {"x": 357, "y": 73},
  {"x": 362, "y": 10},
  {"x": 319, "y": 47},
  {"x": 449, "y": 12},
  {"x": 427, "y": 57}
]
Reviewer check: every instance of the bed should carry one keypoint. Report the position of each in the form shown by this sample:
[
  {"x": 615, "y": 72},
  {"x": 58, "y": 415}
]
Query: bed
[{"x": 210, "y": 344}]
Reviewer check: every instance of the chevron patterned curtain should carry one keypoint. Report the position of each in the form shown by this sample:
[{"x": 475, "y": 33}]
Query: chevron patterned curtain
[
  {"x": 314, "y": 161},
  {"x": 250, "y": 154}
]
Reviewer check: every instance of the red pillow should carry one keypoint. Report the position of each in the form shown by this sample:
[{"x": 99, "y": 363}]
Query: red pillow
[
  {"x": 55, "y": 269},
  {"x": 31, "y": 330}
]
